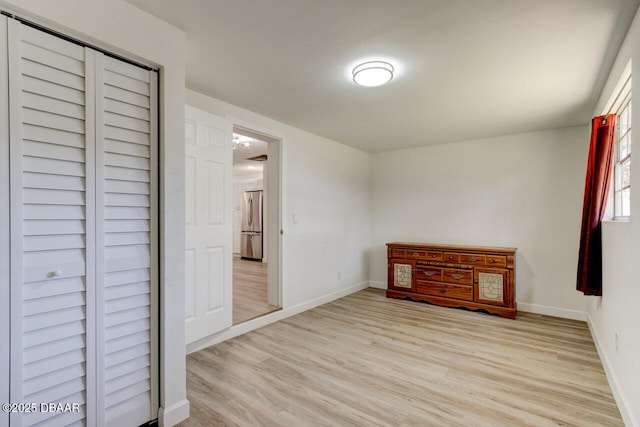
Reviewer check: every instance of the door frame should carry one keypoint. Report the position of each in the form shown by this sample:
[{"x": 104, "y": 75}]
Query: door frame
[{"x": 273, "y": 203}]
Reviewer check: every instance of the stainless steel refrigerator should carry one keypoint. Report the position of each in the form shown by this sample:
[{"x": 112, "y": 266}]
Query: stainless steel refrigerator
[{"x": 251, "y": 230}]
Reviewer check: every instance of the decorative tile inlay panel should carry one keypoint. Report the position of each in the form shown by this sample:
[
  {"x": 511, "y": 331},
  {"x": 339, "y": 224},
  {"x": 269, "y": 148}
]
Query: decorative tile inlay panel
[
  {"x": 402, "y": 275},
  {"x": 490, "y": 286}
]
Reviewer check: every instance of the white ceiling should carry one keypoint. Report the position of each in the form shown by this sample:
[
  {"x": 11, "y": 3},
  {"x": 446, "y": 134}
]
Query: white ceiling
[
  {"x": 466, "y": 69},
  {"x": 243, "y": 166}
]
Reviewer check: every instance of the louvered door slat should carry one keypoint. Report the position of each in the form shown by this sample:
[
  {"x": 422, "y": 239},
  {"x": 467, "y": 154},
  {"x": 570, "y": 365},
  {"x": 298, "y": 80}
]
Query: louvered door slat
[
  {"x": 50, "y": 74},
  {"x": 52, "y": 181},
  {"x": 43, "y": 352},
  {"x": 61, "y": 197},
  {"x": 55, "y": 59},
  {"x": 38, "y": 102},
  {"x": 127, "y": 148},
  {"x": 121, "y": 291},
  {"x": 115, "y": 199},
  {"x": 115, "y": 106},
  {"x": 38, "y": 211},
  {"x": 52, "y": 166},
  {"x": 126, "y": 135},
  {"x": 52, "y": 90},
  {"x": 46, "y": 289},
  {"x": 54, "y": 44},
  {"x": 49, "y": 228},
  {"x": 126, "y": 82},
  {"x": 58, "y": 317},
  {"x": 46, "y": 119},
  {"x": 49, "y": 335},
  {"x": 67, "y": 359},
  {"x": 127, "y": 174},
  {"x": 125, "y": 69},
  {"x": 52, "y": 136},
  {"x": 122, "y": 95},
  {"x": 126, "y": 122}
]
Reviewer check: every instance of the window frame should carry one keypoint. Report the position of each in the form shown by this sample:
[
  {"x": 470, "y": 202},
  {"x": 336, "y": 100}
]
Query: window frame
[
  {"x": 619, "y": 100},
  {"x": 622, "y": 159}
]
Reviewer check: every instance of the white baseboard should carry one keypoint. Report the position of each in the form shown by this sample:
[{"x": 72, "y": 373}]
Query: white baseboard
[
  {"x": 377, "y": 285},
  {"x": 623, "y": 404},
  {"x": 259, "y": 322},
  {"x": 172, "y": 415},
  {"x": 552, "y": 311}
]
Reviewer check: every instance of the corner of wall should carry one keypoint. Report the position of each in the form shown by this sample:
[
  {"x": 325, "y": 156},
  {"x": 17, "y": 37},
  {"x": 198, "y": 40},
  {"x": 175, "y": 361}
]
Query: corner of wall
[{"x": 618, "y": 393}]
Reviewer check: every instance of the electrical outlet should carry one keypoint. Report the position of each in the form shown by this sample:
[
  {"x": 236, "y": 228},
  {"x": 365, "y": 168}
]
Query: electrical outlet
[
  {"x": 338, "y": 275},
  {"x": 616, "y": 340}
]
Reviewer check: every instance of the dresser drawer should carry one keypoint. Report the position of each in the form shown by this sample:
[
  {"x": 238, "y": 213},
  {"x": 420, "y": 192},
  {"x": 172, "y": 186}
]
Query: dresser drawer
[
  {"x": 428, "y": 273},
  {"x": 460, "y": 277},
  {"x": 423, "y": 254},
  {"x": 434, "y": 256},
  {"x": 496, "y": 261},
  {"x": 396, "y": 253},
  {"x": 415, "y": 254},
  {"x": 451, "y": 257},
  {"x": 447, "y": 290},
  {"x": 473, "y": 259}
]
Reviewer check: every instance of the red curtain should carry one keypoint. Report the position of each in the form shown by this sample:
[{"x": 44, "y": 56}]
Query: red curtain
[{"x": 595, "y": 200}]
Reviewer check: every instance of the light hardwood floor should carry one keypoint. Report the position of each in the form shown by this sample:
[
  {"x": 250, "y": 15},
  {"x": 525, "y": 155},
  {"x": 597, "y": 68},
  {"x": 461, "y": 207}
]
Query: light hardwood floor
[
  {"x": 249, "y": 290},
  {"x": 365, "y": 360}
]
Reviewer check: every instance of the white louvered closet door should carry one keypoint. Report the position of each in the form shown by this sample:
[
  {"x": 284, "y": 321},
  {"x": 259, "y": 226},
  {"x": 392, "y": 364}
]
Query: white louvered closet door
[
  {"x": 127, "y": 242},
  {"x": 83, "y": 240}
]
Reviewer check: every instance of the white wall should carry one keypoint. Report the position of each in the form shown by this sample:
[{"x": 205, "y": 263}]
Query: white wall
[
  {"x": 325, "y": 197},
  {"x": 121, "y": 28},
  {"x": 522, "y": 191},
  {"x": 617, "y": 311}
]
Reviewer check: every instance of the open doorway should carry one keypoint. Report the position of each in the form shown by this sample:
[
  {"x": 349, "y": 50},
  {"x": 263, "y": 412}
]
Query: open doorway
[{"x": 256, "y": 224}]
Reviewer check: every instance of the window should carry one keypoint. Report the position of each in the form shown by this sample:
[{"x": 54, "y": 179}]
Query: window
[
  {"x": 619, "y": 204},
  {"x": 622, "y": 163}
]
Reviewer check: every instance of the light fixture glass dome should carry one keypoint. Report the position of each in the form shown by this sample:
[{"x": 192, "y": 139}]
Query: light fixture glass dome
[{"x": 373, "y": 73}]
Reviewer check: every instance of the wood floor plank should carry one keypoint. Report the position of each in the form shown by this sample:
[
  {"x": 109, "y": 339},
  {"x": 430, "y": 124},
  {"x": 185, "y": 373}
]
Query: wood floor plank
[
  {"x": 249, "y": 290},
  {"x": 365, "y": 360}
]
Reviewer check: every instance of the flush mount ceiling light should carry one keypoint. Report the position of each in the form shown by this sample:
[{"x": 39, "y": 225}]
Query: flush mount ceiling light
[
  {"x": 238, "y": 143},
  {"x": 373, "y": 73}
]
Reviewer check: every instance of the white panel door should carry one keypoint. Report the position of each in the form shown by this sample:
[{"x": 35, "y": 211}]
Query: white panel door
[
  {"x": 209, "y": 224},
  {"x": 83, "y": 203}
]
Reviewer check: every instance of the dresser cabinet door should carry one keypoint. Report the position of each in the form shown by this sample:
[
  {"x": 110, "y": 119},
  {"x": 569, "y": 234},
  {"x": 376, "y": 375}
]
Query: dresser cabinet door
[
  {"x": 491, "y": 286},
  {"x": 401, "y": 275}
]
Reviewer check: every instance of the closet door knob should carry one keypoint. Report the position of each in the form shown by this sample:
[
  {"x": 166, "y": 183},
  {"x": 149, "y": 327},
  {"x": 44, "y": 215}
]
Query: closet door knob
[{"x": 55, "y": 273}]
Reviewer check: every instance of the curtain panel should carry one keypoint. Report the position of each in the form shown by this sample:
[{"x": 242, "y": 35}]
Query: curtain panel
[{"x": 598, "y": 180}]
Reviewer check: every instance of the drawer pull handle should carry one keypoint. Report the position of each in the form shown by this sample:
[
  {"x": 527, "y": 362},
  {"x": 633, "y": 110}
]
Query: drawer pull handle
[
  {"x": 442, "y": 290},
  {"x": 415, "y": 254},
  {"x": 473, "y": 258},
  {"x": 457, "y": 276},
  {"x": 429, "y": 273},
  {"x": 495, "y": 261},
  {"x": 433, "y": 255}
]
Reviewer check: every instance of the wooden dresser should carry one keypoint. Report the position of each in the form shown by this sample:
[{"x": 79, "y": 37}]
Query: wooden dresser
[{"x": 476, "y": 278}]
